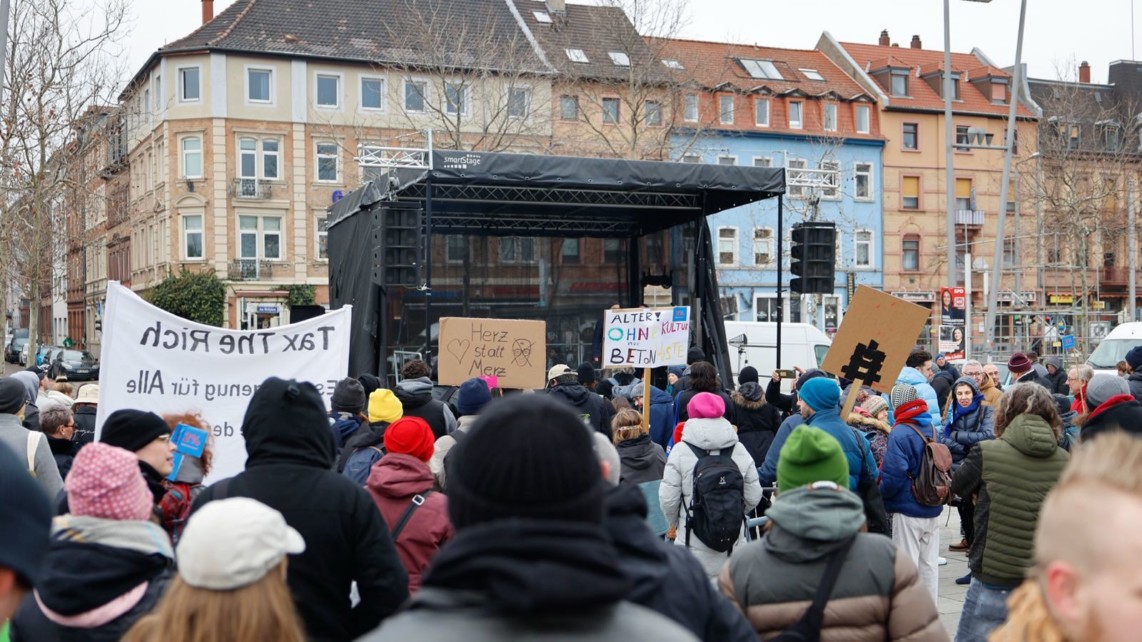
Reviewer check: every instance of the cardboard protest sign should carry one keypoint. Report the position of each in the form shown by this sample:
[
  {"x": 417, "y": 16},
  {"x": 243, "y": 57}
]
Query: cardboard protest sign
[
  {"x": 514, "y": 351},
  {"x": 875, "y": 338},
  {"x": 646, "y": 337},
  {"x": 154, "y": 360}
]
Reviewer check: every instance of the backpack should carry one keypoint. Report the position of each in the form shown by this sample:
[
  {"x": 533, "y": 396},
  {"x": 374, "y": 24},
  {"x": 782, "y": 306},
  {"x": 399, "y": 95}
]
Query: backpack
[
  {"x": 359, "y": 464},
  {"x": 717, "y": 506},
  {"x": 808, "y": 628},
  {"x": 932, "y": 485}
]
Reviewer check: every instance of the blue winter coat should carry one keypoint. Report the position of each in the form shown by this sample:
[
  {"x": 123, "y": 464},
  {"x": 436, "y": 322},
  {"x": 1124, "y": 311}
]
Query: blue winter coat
[
  {"x": 901, "y": 463},
  {"x": 967, "y": 431},
  {"x": 830, "y": 421},
  {"x": 767, "y": 473},
  {"x": 912, "y": 377},
  {"x": 661, "y": 416}
]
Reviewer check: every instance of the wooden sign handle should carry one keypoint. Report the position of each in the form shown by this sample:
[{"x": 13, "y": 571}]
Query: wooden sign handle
[
  {"x": 850, "y": 399},
  {"x": 645, "y": 399}
]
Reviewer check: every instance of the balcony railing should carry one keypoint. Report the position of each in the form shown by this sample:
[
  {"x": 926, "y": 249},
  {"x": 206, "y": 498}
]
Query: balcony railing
[
  {"x": 969, "y": 217},
  {"x": 249, "y": 270},
  {"x": 251, "y": 188}
]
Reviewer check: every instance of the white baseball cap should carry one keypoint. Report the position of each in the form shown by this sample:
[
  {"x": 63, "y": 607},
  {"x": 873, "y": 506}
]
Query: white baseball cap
[{"x": 231, "y": 543}]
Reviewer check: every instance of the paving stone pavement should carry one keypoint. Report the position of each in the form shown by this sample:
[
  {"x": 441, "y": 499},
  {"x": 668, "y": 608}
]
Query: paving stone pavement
[{"x": 951, "y": 595}]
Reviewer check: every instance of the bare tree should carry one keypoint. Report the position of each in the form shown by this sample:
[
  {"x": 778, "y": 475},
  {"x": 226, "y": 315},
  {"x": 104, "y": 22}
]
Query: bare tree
[{"x": 60, "y": 60}]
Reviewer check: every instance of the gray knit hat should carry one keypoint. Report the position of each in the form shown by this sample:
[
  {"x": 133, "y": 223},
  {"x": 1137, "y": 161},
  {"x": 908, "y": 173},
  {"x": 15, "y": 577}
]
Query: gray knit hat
[
  {"x": 901, "y": 394},
  {"x": 1103, "y": 387}
]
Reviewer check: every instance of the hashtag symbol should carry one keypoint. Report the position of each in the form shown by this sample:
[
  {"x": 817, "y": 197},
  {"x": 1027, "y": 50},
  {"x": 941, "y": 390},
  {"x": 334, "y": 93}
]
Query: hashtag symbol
[{"x": 865, "y": 364}]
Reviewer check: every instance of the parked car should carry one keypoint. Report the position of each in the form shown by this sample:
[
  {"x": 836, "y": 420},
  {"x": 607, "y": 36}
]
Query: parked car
[
  {"x": 15, "y": 345},
  {"x": 75, "y": 365}
]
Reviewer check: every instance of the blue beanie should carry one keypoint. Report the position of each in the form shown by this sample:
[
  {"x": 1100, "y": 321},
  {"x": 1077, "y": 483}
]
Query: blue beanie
[
  {"x": 472, "y": 396},
  {"x": 820, "y": 393}
]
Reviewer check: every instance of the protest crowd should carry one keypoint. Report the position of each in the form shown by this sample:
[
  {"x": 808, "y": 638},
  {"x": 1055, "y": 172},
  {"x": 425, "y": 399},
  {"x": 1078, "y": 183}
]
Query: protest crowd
[{"x": 594, "y": 509}]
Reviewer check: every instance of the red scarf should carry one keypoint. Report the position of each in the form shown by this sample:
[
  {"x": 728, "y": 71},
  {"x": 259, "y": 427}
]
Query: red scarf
[{"x": 907, "y": 413}]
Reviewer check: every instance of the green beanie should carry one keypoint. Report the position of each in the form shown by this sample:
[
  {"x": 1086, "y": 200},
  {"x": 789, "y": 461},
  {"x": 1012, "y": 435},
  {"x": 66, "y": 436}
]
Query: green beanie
[{"x": 811, "y": 455}]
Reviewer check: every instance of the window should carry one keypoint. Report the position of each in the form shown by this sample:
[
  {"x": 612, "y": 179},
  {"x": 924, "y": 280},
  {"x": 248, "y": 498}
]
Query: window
[
  {"x": 910, "y": 253},
  {"x": 1110, "y": 137},
  {"x": 765, "y": 308},
  {"x": 576, "y": 55},
  {"x": 760, "y": 69},
  {"x": 862, "y": 119},
  {"x": 691, "y": 158},
  {"x": 910, "y": 193},
  {"x": 899, "y": 83},
  {"x": 911, "y": 138},
  {"x": 611, "y": 110},
  {"x": 1009, "y": 253},
  {"x": 761, "y": 112},
  {"x": 690, "y": 108},
  {"x": 793, "y": 176},
  {"x": 830, "y": 117},
  {"x": 762, "y": 246},
  {"x": 455, "y": 248},
  {"x": 619, "y": 58},
  {"x": 831, "y": 177},
  {"x": 569, "y": 107},
  {"x": 519, "y": 102},
  {"x": 147, "y": 103},
  {"x": 963, "y": 194},
  {"x": 762, "y": 161},
  {"x": 727, "y": 160},
  {"x": 862, "y": 174},
  {"x": 189, "y": 85},
  {"x": 260, "y": 237},
  {"x": 653, "y": 113},
  {"x": 373, "y": 93},
  {"x": 727, "y": 246},
  {"x": 327, "y": 162},
  {"x": 191, "y": 157},
  {"x": 672, "y": 64},
  {"x": 795, "y": 114},
  {"x": 862, "y": 248},
  {"x": 811, "y": 74},
  {"x": 962, "y": 137},
  {"x": 514, "y": 249},
  {"x": 258, "y": 159},
  {"x": 192, "y": 237},
  {"x": 542, "y": 17},
  {"x": 612, "y": 250},
  {"x": 247, "y": 158},
  {"x": 415, "y": 94},
  {"x": 570, "y": 252},
  {"x": 259, "y": 85},
  {"x": 270, "y": 159},
  {"x": 455, "y": 98},
  {"x": 726, "y": 110},
  {"x": 328, "y": 90},
  {"x": 322, "y": 238}
]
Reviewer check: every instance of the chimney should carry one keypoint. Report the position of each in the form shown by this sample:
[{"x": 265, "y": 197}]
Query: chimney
[
  {"x": 916, "y": 42},
  {"x": 884, "y": 41},
  {"x": 1084, "y": 72},
  {"x": 207, "y": 11}
]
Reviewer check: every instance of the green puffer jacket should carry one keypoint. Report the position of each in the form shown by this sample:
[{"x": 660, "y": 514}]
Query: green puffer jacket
[{"x": 1009, "y": 476}]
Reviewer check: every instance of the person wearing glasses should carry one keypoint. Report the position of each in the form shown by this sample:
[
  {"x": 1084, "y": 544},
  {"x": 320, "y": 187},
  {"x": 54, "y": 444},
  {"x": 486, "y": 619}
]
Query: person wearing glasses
[
  {"x": 58, "y": 425},
  {"x": 987, "y": 385}
]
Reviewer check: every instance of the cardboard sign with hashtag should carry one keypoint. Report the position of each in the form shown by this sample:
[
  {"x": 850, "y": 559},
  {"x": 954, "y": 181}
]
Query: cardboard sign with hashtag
[{"x": 874, "y": 340}]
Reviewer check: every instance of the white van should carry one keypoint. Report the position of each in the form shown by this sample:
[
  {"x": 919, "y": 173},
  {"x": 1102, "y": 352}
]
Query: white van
[
  {"x": 1114, "y": 346},
  {"x": 801, "y": 345}
]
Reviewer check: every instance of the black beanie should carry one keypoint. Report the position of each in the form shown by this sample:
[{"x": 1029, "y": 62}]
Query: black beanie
[
  {"x": 348, "y": 396},
  {"x": 586, "y": 373},
  {"x": 370, "y": 383},
  {"x": 605, "y": 387},
  {"x": 12, "y": 395},
  {"x": 694, "y": 355},
  {"x": 132, "y": 429},
  {"x": 527, "y": 456},
  {"x": 748, "y": 373}
]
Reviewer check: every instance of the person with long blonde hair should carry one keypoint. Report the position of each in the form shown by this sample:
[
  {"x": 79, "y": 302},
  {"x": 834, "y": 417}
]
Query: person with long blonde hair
[{"x": 231, "y": 580}]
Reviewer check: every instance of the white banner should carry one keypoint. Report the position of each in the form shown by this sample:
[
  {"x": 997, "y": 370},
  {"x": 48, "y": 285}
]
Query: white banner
[
  {"x": 646, "y": 337},
  {"x": 156, "y": 361}
]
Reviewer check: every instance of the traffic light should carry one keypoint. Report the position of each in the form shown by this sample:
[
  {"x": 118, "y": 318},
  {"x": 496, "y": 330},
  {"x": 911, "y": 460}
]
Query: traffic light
[{"x": 812, "y": 257}]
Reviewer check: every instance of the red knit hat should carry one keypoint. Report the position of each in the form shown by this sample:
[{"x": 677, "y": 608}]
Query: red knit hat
[
  {"x": 410, "y": 436},
  {"x": 1019, "y": 363}
]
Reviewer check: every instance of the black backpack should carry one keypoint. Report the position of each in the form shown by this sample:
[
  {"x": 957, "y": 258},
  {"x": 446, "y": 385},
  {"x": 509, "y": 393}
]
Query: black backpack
[{"x": 717, "y": 505}]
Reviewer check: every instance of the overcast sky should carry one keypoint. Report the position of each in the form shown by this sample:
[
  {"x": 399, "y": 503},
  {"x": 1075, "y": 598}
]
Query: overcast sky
[{"x": 1058, "y": 33}]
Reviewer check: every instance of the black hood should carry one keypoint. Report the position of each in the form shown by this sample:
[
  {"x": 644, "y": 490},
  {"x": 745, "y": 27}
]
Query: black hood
[
  {"x": 637, "y": 453},
  {"x": 574, "y": 393},
  {"x": 531, "y": 567},
  {"x": 640, "y": 556},
  {"x": 78, "y": 577},
  {"x": 286, "y": 422}
]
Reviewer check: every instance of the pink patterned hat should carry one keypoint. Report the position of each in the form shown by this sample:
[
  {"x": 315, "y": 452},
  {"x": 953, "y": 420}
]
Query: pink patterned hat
[{"x": 105, "y": 482}]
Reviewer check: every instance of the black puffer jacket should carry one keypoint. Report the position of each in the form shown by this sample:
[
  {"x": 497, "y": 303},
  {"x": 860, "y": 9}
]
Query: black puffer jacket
[
  {"x": 756, "y": 420},
  {"x": 586, "y": 402},
  {"x": 290, "y": 469},
  {"x": 642, "y": 460},
  {"x": 667, "y": 578},
  {"x": 63, "y": 450},
  {"x": 416, "y": 398}
]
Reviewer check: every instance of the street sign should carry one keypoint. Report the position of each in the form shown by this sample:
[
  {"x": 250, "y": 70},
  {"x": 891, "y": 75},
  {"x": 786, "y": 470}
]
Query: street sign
[{"x": 1068, "y": 342}]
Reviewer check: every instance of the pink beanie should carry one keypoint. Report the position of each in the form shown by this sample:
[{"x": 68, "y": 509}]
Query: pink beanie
[
  {"x": 706, "y": 405},
  {"x": 105, "y": 482}
]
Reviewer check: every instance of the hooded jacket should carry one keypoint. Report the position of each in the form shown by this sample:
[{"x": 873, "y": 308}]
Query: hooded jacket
[
  {"x": 529, "y": 581},
  {"x": 31, "y": 383},
  {"x": 367, "y": 436},
  {"x": 757, "y": 421},
  {"x": 1120, "y": 412},
  {"x": 666, "y": 578},
  {"x": 924, "y": 390},
  {"x": 677, "y": 489},
  {"x": 393, "y": 483},
  {"x": 289, "y": 467},
  {"x": 344, "y": 425},
  {"x": 661, "y": 416},
  {"x": 878, "y": 595},
  {"x": 1010, "y": 475},
  {"x": 902, "y": 463},
  {"x": 587, "y": 404},
  {"x": 991, "y": 394},
  {"x": 99, "y": 577},
  {"x": 1058, "y": 380},
  {"x": 642, "y": 460},
  {"x": 965, "y": 431},
  {"x": 830, "y": 421},
  {"x": 15, "y": 436},
  {"x": 416, "y": 398}
]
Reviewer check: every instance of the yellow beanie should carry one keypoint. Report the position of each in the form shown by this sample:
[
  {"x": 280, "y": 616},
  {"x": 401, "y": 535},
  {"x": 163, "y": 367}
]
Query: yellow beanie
[{"x": 384, "y": 407}]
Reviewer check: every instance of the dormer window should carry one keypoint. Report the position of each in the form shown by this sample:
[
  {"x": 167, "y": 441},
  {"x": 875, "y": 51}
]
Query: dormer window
[
  {"x": 899, "y": 83},
  {"x": 619, "y": 58},
  {"x": 576, "y": 55},
  {"x": 542, "y": 17},
  {"x": 763, "y": 69},
  {"x": 811, "y": 74}
]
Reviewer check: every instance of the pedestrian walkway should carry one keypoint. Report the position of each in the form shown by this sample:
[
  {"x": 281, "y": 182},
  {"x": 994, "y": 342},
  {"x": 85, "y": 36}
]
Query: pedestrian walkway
[{"x": 951, "y": 601}]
